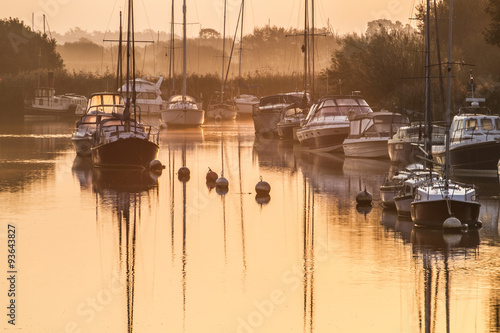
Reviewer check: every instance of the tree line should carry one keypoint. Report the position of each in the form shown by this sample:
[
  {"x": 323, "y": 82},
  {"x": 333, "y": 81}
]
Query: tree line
[{"x": 386, "y": 63}]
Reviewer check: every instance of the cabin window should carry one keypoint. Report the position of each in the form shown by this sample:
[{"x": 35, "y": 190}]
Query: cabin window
[
  {"x": 354, "y": 127},
  {"x": 487, "y": 124},
  {"x": 471, "y": 125}
]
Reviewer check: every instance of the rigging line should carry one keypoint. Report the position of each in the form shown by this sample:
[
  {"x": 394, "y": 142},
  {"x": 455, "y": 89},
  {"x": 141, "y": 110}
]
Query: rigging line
[
  {"x": 232, "y": 47},
  {"x": 110, "y": 17}
]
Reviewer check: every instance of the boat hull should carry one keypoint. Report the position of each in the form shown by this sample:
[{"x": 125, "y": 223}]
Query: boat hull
[
  {"x": 266, "y": 123},
  {"x": 326, "y": 139},
  {"x": 366, "y": 147},
  {"x": 403, "y": 205},
  {"x": 68, "y": 111},
  {"x": 225, "y": 113},
  {"x": 127, "y": 153},
  {"x": 82, "y": 145},
  {"x": 475, "y": 159},
  {"x": 433, "y": 213},
  {"x": 187, "y": 118}
]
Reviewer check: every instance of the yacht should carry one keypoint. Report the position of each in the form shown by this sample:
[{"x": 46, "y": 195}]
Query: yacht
[
  {"x": 327, "y": 125},
  {"x": 100, "y": 106},
  {"x": 148, "y": 94},
  {"x": 267, "y": 114},
  {"x": 46, "y": 103},
  {"x": 369, "y": 133},
  {"x": 291, "y": 119},
  {"x": 245, "y": 104},
  {"x": 474, "y": 142},
  {"x": 407, "y": 144}
]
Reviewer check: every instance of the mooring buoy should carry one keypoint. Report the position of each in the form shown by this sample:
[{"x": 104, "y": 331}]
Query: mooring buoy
[
  {"x": 262, "y": 187},
  {"x": 364, "y": 198},
  {"x": 211, "y": 176},
  {"x": 183, "y": 174}
]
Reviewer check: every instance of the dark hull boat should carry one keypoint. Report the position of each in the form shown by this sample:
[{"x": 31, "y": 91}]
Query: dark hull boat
[
  {"x": 128, "y": 153},
  {"x": 124, "y": 144},
  {"x": 434, "y": 213}
]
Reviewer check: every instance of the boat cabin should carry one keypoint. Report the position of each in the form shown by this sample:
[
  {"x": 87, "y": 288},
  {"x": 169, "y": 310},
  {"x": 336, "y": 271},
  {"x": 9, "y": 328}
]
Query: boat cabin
[{"x": 375, "y": 124}]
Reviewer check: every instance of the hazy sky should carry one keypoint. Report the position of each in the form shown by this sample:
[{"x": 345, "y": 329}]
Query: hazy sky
[{"x": 344, "y": 16}]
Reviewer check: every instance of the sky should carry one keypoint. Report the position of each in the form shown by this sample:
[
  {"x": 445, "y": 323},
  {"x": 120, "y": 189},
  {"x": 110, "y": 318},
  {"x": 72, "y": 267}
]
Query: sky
[{"x": 101, "y": 15}]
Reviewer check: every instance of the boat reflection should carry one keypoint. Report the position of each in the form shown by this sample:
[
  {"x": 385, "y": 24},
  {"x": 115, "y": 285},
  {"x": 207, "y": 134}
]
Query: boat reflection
[
  {"x": 121, "y": 192},
  {"x": 436, "y": 253}
]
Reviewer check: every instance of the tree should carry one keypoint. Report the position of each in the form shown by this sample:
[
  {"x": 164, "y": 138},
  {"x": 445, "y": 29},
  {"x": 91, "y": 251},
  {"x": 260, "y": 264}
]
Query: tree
[
  {"x": 25, "y": 50},
  {"x": 492, "y": 33},
  {"x": 209, "y": 33}
]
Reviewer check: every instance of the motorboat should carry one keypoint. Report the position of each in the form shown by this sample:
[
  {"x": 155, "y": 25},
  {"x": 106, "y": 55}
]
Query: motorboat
[
  {"x": 267, "y": 114},
  {"x": 406, "y": 194},
  {"x": 100, "y": 106},
  {"x": 245, "y": 104},
  {"x": 182, "y": 111},
  {"x": 327, "y": 125},
  {"x": 406, "y": 145},
  {"x": 474, "y": 142},
  {"x": 392, "y": 184},
  {"x": 46, "y": 103},
  {"x": 291, "y": 119},
  {"x": 369, "y": 133},
  {"x": 148, "y": 98}
]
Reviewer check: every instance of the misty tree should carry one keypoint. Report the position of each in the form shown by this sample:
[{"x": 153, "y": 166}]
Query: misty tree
[
  {"x": 378, "y": 65},
  {"x": 492, "y": 33},
  {"x": 24, "y": 50},
  {"x": 209, "y": 33}
]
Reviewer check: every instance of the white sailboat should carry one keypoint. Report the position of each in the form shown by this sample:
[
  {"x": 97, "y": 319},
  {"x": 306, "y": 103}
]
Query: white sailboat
[
  {"x": 182, "y": 110},
  {"x": 221, "y": 107}
]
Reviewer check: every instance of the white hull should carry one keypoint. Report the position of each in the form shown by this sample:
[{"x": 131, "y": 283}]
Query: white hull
[
  {"x": 189, "y": 117},
  {"x": 221, "y": 113},
  {"x": 366, "y": 147},
  {"x": 82, "y": 145}
]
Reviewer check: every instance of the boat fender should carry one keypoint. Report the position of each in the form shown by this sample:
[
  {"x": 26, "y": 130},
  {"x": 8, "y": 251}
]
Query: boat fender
[
  {"x": 156, "y": 166},
  {"x": 452, "y": 223}
]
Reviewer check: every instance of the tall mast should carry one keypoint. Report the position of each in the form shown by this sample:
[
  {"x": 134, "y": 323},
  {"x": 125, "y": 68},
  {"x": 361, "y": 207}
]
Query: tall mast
[
  {"x": 184, "y": 68},
  {"x": 171, "y": 69},
  {"x": 119, "y": 71},
  {"x": 448, "y": 97},
  {"x": 306, "y": 48},
  {"x": 428, "y": 113},
  {"x": 223, "y": 53},
  {"x": 313, "y": 32},
  {"x": 241, "y": 42}
]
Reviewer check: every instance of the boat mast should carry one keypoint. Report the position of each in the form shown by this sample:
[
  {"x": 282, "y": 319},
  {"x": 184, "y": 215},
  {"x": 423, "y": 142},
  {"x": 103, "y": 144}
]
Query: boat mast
[
  {"x": 448, "y": 99},
  {"x": 223, "y": 53},
  {"x": 171, "y": 69},
  {"x": 241, "y": 43},
  {"x": 119, "y": 68},
  {"x": 312, "y": 40},
  {"x": 184, "y": 68},
  {"x": 428, "y": 114},
  {"x": 305, "y": 48}
]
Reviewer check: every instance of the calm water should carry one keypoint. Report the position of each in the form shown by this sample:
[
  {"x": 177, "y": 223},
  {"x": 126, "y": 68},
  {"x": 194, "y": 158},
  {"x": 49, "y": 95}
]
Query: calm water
[{"x": 101, "y": 251}]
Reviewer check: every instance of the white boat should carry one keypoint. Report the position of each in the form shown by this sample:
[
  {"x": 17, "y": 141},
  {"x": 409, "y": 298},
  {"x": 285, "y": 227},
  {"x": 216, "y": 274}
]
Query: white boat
[
  {"x": 100, "y": 106},
  {"x": 369, "y": 133},
  {"x": 182, "y": 111},
  {"x": 46, "y": 103},
  {"x": 408, "y": 142},
  {"x": 327, "y": 125},
  {"x": 406, "y": 193},
  {"x": 221, "y": 107},
  {"x": 245, "y": 104},
  {"x": 148, "y": 94},
  {"x": 267, "y": 114},
  {"x": 474, "y": 142}
]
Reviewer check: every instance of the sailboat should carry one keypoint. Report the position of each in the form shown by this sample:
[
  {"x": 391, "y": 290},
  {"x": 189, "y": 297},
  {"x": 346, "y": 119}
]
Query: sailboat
[
  {"x": 436, "y": 200},
  {"x": 182, "y": 110},
  {"x": 244, "y": 102},
  {"x": 121, "y": 141},
  {"x": 221, "y": 107}
]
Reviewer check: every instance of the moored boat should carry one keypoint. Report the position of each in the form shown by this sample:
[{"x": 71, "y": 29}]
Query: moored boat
[
  {"x": 369, "y": 133},
  {"x": 327, "y": 125}
]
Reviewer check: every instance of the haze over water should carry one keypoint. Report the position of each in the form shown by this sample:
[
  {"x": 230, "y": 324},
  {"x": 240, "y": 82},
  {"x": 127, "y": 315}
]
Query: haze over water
[{"x": 101, "y": 251}]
